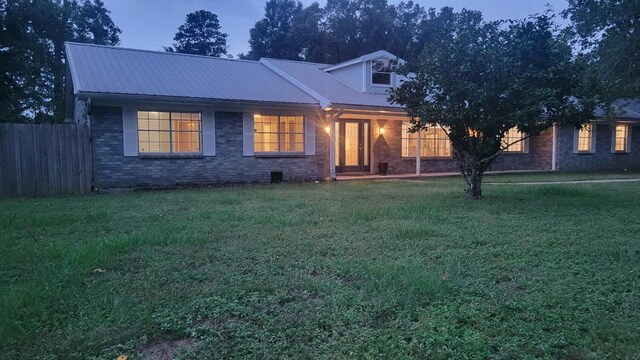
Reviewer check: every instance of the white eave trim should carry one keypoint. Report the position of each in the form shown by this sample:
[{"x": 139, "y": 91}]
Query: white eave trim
[
  {"x": 324, "y": 102},
  {"x": 363, "y": 58},
  {"x": 72, "y": 69}
]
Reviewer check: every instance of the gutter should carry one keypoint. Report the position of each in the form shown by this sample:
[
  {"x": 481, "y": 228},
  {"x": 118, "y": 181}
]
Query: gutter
[{"x": 162, "y": 99}]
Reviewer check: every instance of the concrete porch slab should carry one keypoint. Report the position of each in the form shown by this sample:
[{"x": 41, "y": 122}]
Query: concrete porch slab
[{"x": 429, "y": 175}]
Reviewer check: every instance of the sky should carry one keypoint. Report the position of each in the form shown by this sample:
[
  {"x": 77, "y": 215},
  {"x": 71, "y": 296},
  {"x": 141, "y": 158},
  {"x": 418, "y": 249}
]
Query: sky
[{"x": 151, "y": 24}]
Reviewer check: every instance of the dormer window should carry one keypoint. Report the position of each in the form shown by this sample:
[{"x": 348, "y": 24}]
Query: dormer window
[{"x": 380, "y": 72}]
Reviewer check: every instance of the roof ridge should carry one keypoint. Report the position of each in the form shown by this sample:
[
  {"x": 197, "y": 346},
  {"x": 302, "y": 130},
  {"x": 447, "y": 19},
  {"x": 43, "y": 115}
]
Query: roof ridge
[
  {"x": 297, "y": 61},
  {"x": 156, "y": 52}
]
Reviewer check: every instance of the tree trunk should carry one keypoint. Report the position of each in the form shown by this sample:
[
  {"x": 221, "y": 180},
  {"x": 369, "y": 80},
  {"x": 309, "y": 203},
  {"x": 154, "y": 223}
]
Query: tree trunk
[
  {"x": 472, "y": 171},
  {"x": 475, "y": 181}
]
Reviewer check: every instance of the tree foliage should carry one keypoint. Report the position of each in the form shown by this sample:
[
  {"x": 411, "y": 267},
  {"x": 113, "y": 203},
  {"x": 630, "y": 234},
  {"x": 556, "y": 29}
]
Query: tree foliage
[
  {"x": 200, "y": 35},
  {"x": 341, "y": 30},
  {"x": 477, "y": 80},
  {"x": 609, "y": 31},
  {"x": 32, "y": 59},
  {"x": 273, "y": 36}
]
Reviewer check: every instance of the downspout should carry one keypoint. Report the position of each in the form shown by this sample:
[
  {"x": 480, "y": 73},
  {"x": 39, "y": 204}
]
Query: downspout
[{"x": 418, "y": 152}]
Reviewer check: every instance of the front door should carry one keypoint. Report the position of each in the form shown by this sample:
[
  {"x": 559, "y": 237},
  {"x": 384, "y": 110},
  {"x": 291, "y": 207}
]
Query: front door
[{"x": 352, "y": 141}]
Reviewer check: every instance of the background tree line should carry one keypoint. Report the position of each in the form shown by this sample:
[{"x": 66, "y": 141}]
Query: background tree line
[
  {"x": 604, "y": 34},
  {"x": 32, "y": 58}
]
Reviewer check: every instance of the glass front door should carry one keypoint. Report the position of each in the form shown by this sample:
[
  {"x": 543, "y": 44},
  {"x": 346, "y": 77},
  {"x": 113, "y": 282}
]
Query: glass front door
[{"x": 352, "y": 139}]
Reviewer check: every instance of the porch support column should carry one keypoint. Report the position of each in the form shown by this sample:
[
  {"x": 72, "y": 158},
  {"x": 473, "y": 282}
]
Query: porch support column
[
  {"x": 418, "y": 152},
  {"x": 554, "y": 147},
  {"x": 333, "y": 117},
  {"x": 332, "y": 147}
]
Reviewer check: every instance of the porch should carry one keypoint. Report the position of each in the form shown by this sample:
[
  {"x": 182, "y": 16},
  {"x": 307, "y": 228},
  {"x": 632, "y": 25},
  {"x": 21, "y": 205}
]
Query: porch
[
  {"x": 350, "y": 177},
  {"x": 360, "y": 141},
  {"x": 377, "y": 145}
]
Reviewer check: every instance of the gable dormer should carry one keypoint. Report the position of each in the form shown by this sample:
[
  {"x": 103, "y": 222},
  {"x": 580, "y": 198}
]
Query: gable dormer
[{"x": 369, "y": 73}]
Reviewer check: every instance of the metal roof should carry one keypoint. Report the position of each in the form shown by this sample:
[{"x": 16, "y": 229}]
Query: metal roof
[
  {"x": 115, "y": 70},
  {"x": 312, "y": 75},
  {"x": 625, "y": 108},
  {"x": 109, "y": 70}
]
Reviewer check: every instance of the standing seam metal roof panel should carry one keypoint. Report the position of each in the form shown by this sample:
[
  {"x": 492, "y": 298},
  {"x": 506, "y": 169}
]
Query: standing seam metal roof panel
[
  {"x": 114, "y": 70},
  {"x": 336, "y": 91}
]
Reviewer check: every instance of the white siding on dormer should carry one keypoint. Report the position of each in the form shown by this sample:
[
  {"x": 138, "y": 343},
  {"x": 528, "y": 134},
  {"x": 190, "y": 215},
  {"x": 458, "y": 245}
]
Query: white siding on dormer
[
  {"x": 351, "y": 75},
  {"x": 358, "y": 76}
]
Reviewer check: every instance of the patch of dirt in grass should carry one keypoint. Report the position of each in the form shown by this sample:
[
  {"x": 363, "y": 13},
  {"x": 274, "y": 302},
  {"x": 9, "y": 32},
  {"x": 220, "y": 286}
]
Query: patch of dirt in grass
[
  {"x": 166, "y": 350},
  {"x": 509, "y": 284},
  {"x": 297, "y": 295},
  {"x": 347, "y": 278}
]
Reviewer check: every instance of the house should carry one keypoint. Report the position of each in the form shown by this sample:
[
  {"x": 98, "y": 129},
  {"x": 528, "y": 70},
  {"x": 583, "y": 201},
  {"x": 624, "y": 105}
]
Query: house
[{"x": 162, "y": 119}]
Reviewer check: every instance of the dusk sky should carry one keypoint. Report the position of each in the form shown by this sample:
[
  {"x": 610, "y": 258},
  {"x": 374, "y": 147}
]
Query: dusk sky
[{"x": 151, "y": 24}]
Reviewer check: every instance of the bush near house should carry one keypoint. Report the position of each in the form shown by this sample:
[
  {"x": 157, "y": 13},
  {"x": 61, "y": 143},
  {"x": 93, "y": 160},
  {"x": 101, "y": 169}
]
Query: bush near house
[{"x": 388, "y": 269}]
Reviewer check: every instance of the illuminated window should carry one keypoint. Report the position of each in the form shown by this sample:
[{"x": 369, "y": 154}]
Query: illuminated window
[
  {"x": 584, "y": 138},
  {"x": 380, "y": 72},
  {"x": 169, "y": 132},
  {"x": 278, "y": 134},
  {"x": 621, "y": 138},
  {"x": 509, "y": 141},
  {"x": 434, "y": 142}
]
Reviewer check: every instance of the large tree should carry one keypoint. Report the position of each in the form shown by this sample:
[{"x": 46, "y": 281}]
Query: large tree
[
  {"x": 33, "y": 61},
  {"x": 609, "y": 31},
  {"x": 341, "y": 30},
  {"x": 272, "y": 35},
  {"x": 200, "y": 35},
  {"x": 477, "y": 80}
]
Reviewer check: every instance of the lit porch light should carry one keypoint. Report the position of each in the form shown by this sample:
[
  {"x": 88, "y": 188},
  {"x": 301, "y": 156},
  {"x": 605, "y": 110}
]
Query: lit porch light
[
  {"x": 328, "y": 129},
  {"x": 381, "y": 131}
]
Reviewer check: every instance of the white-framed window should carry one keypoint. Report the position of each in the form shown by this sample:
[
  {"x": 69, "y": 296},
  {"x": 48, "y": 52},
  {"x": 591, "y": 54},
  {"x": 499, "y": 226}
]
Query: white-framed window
[
  {"x": 380, "y": 72},
  {"x": 161, "y": 132},
  {"x": 513, "y": 141},
  {"x": 434, "y": 142},
  {"x": 621, "y": 138},
  {"x": 278, "y": 133},
  {"x": 584, "y": 139}
]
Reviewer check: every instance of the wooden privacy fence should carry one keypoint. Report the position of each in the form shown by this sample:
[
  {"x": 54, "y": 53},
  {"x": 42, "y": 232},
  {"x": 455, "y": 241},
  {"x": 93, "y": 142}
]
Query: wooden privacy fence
[{"x": 44, "y": 159}]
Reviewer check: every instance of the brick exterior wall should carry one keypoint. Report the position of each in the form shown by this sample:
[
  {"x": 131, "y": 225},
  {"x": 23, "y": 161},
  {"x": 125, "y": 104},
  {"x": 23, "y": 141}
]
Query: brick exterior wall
[
  {"x": 602, "y": 159},
  {"x": 388, "y": 148},
  {"x": 113, "y": 170}
]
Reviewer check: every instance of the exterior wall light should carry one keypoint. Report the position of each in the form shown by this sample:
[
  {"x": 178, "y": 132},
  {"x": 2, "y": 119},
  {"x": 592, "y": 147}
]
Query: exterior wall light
[
  {"x": 328, "y": 129},
  {"x": 381, "y": 131}
]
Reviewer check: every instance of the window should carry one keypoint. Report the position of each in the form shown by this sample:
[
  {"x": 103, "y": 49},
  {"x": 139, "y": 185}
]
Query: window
[
  {"x": 510, "y": 137},
  {"x": 169, "y": 132},
  {"x": 380, "y": 72},
  {"x": 621, "y": 143},
  {"x": 278, "y": 134},
  {"x": 409, "y": 141},
  {"x": 434, "y": 142},
  {"x": 584, "y": 138}
]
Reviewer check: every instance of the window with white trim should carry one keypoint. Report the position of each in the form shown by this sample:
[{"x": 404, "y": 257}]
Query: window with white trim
[
  {"x": 584, "y": 138},
  {"x": 278, "y": 133},
  {"x": 621, "y": 143},
  {"x": 380, "y": 72},
  {"x": 169, "y": 132},
  {"x": 434, "y": 142},
  {"x": 512, "y": 141}
]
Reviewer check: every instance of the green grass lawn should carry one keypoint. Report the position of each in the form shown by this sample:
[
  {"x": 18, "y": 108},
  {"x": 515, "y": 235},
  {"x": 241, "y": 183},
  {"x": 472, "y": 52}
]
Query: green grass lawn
[{"x": 380, "y": 269}]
